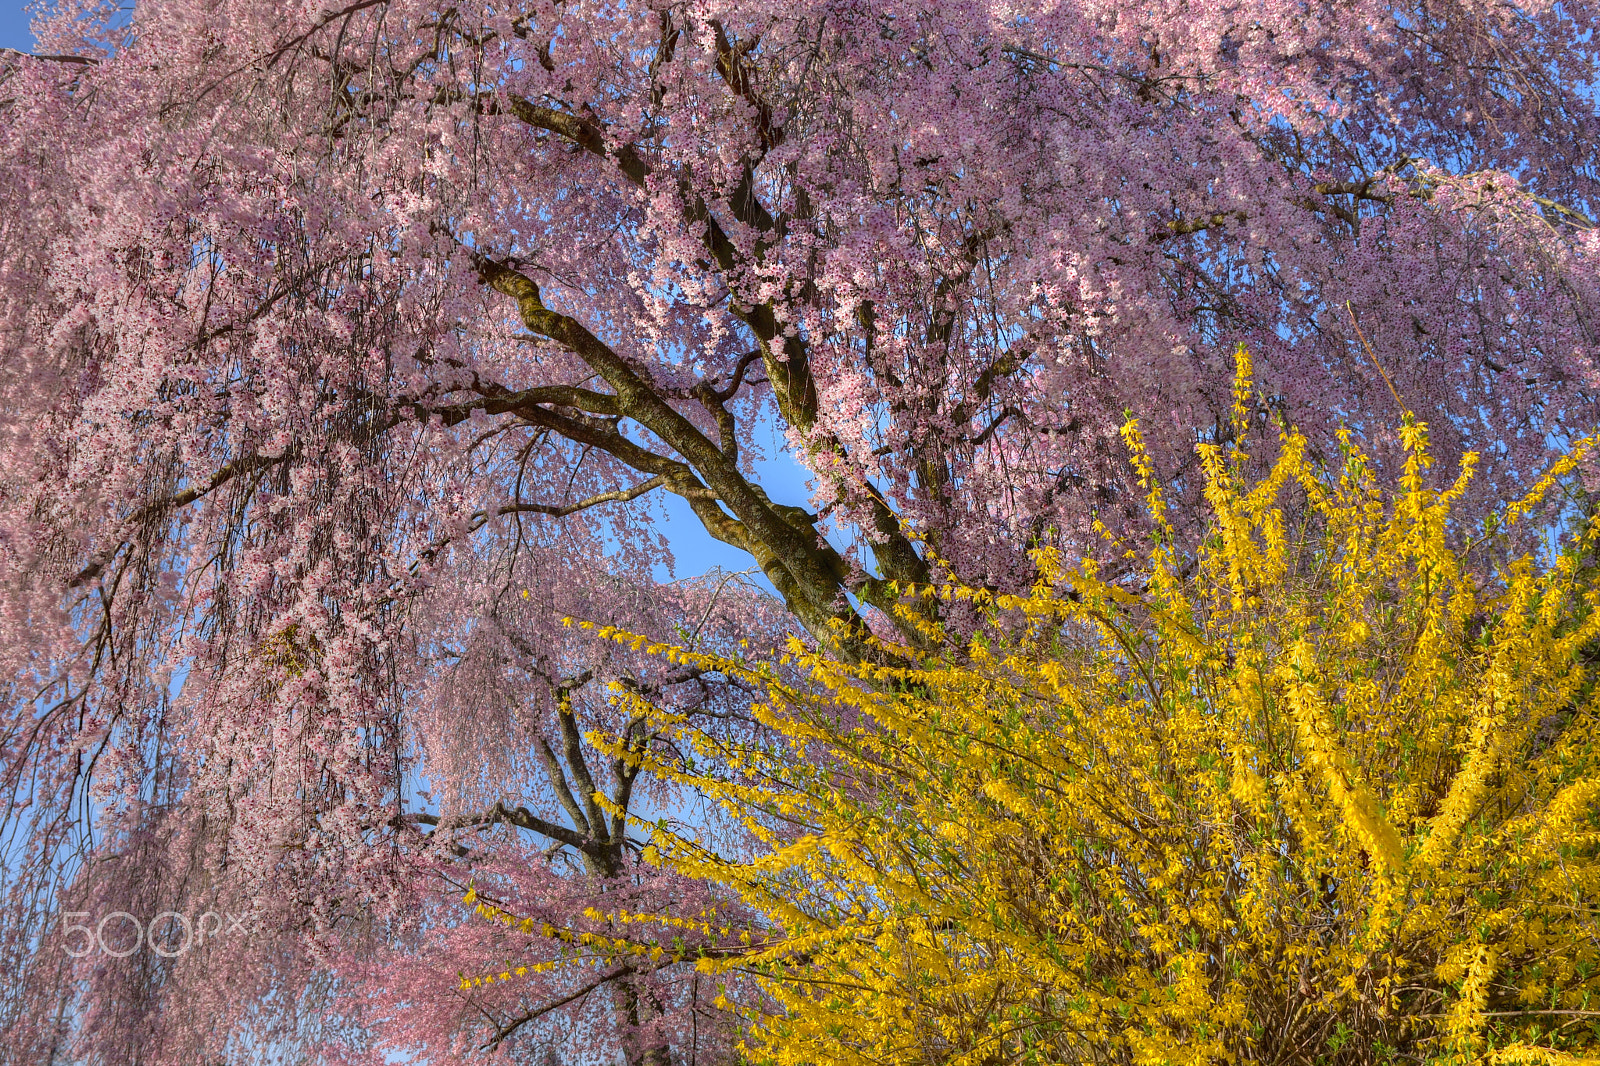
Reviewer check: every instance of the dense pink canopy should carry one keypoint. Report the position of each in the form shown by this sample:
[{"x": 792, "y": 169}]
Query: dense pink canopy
[{"x": 328, "y": 332}]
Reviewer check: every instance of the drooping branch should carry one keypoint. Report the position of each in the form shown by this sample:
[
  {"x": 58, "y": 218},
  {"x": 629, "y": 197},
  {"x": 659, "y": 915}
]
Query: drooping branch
[
  {"x": 614, "y": 973},
  {"x": 177, "y": 501}
]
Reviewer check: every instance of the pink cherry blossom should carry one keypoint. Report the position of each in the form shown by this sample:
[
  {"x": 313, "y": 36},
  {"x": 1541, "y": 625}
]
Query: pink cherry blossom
[{"x": 328, "y": 332}]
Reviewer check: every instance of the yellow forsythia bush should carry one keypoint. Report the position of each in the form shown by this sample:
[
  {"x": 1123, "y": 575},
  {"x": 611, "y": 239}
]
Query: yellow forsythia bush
[{"x": 1312, "y": 794}]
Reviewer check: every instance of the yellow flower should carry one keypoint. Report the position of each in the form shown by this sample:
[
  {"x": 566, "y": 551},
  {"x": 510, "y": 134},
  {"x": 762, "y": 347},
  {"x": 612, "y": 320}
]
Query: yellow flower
[{"x": 1321, "y": 786}]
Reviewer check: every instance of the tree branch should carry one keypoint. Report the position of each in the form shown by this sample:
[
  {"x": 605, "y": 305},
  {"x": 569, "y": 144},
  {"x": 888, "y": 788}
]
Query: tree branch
[
  {"x": 562, "y": 510},
  {"x": 85, "y": 61},
  {"x": 520, "y": 817},
  {"x": 585, "y": 133},
  {"x": 558, "y": 782},
  {"x": 503, "y": 1031}
]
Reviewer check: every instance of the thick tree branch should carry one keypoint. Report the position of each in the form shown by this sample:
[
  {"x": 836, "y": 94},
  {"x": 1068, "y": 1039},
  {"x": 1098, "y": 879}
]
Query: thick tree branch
[
  {"x": 786, "y": 544},
  {"x": 731, "y": 67},
  {"x": 586, "y": 133},
  {"x": 558, "y": 783},
  {"x": 520, "y": 817},
  {"x": 814, "y": 571},
  {"x": 84, "y": 61},
  {"x": 572, "y": 749}
]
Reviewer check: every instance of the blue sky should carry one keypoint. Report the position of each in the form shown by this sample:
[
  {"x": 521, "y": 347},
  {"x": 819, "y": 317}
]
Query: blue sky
[
  {"x": 693, "y": 548},
  {"x": 14, "y": 26}
]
